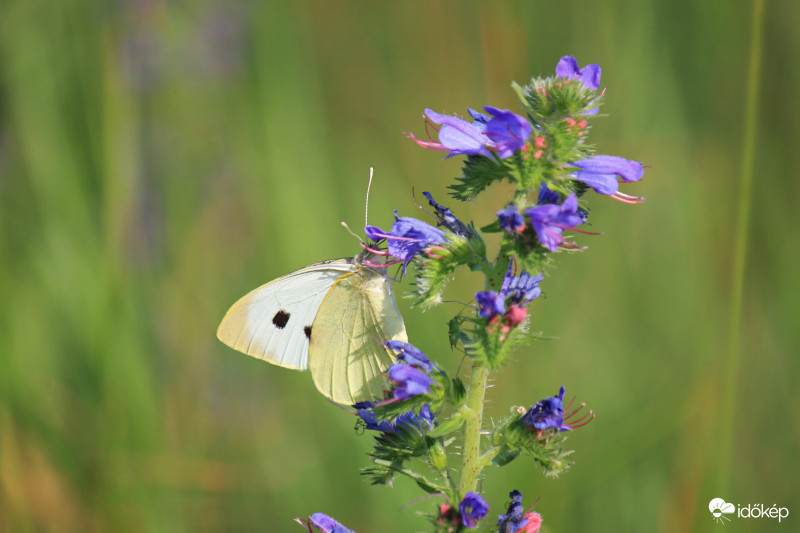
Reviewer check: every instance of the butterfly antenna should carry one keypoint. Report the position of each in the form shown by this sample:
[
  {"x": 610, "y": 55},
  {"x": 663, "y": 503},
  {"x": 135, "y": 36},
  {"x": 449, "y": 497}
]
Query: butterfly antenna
[
  {"x": 366, "y": 207},
  {"x": 345, "y": 226}
]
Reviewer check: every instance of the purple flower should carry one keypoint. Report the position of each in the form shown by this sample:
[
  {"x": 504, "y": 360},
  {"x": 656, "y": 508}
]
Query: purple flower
[
  {"x": 458, "y": 136},
  {"x": 603, "y": 173},
  {"x": 473, "y": 508},
  {"x": 323, "y": 523},
  {"x": 589, "y": 75},
  {"x": 410, "y": 381},
  {"x": 518, "y": 291},
  {"x": 511, "y": 220},
  {"x": 491, "y": 303},
  {"x": 448, "y": 219},
  {"x": 370, "y": 421},
  {"x": 547, "y": 196},
  {"x": 407, "y": 420},
  {"x": 507, "y": 130},
  {"x": 407, "y": 238},
  {"x": 479, "y": 119},
  {"x": 411, "y": 355},
  {"x": 549, "y": 220},
  {"x": 547, "y": 413},
  {"x": 521, "y": 289},
  {"x": 423, "y": 421},
  {"x": 513, "y": 519}
]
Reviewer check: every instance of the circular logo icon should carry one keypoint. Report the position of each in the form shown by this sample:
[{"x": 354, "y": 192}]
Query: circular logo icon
[{"x": 719, "y": 508}]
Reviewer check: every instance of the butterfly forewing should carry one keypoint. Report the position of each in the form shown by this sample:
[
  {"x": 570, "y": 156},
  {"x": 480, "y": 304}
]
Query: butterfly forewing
[
  {"x": 274, "y": 321},
  {"x": 346, "y": 353}
]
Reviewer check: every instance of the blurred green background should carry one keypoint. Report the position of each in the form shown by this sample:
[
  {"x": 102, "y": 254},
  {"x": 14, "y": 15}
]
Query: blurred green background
[{"x": 160, "y": 159}]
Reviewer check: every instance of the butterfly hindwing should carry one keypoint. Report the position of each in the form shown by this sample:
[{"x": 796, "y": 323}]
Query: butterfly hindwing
[
  {"x": 274, "y": 322},
  {"x": 346, "y": 353}
]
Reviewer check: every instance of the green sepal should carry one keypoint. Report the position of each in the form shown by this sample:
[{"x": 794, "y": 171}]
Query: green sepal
[
  {"x": 530, "y": 255},
  {"x": 545, "y": 448},
  {"x": 494, "y": 227},
  {"x": 393, "y": 449},
  {"x": 435, "y": 268},
  {"x": 557, "y": 98},
  {"x": 565, "y": 143},
  {"x": 493, "y": 348}
]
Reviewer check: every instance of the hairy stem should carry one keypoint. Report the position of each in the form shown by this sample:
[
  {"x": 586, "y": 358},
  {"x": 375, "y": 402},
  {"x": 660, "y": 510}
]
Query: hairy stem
[
  {"x": 472, "y": 464},
  {"x": 471, "y": 467}
]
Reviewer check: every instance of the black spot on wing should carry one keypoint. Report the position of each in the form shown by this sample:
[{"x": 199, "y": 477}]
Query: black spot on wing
[
  {"x": 307, "y": 331},
  {"x": 280, "y": 319}
]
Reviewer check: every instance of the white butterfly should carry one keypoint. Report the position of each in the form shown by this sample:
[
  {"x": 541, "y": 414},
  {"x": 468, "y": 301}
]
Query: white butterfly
[{"x": 331, "y": 317}]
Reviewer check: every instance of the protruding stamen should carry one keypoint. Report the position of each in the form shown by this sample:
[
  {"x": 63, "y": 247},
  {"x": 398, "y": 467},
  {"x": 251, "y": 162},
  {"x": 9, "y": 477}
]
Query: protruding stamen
[
  {"x": 581, "y": 406},
  {"x": 429, "y": 124},
  {"x": 584, "y": 423},
  {"x": 430, "y": 145},
  {"x": 395, "y": 237},
  {"x": 374, "y": 251},
  {"x": 628, "y": 199},
  {"x": 584, "y": 232},
  {"x": 383, "y": 265}
]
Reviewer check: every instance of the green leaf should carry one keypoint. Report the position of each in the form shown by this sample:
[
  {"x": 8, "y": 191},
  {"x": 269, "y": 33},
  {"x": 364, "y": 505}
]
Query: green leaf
[
  {"x": 478, "y": 173},
  {"x": 503, "y": 458},
  {"x": 450, "y": 425},
  {"x": 494, "y": 227}
]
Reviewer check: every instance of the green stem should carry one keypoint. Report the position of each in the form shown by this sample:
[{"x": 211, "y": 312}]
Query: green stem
[{"x": 471, "y": 467}]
